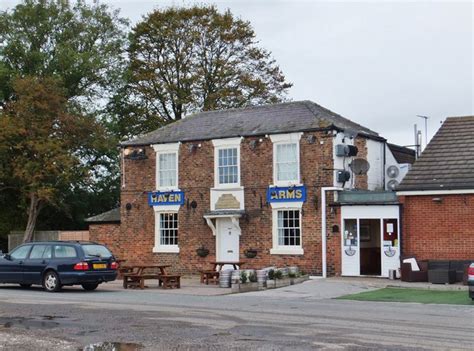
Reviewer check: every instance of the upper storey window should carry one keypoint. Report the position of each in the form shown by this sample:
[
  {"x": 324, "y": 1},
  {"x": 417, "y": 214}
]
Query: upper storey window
[
  {"x": 286, "y": 159},
  {"x": 228, "y": 168},
  {"x": 166, "y": 166},
  {"x": 227, "y": 162}
]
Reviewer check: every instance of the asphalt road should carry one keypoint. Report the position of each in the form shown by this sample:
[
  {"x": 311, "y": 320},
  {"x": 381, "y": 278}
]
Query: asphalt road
[{"x": 300, "y": 318}]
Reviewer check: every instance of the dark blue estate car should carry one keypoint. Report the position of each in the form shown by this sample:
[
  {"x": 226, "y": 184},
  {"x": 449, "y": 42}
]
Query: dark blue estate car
[{"x": 54, "y": 264}]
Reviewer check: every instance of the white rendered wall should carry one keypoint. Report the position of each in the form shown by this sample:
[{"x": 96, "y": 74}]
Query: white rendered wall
[{"x": 375, "y": 158}]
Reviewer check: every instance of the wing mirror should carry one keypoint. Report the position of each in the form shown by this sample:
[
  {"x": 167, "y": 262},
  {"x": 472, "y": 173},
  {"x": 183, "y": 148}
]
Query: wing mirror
[{"x": 7, "y": 256}]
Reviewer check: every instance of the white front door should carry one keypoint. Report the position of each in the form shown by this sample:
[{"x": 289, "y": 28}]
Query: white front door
[{"x": 227, "y": 240}]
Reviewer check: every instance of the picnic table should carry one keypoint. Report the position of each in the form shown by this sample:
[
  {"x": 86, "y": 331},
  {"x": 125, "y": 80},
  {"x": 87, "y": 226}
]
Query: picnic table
[
  {"x": 135, "y": 276},
  {"x": 212, "y": 275}
]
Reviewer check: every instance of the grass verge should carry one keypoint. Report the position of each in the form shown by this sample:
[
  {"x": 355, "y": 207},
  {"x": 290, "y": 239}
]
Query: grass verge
[{"x": 413, "y": 295}]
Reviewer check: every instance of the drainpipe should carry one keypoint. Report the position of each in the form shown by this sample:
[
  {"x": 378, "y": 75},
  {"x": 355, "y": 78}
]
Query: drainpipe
[{"x": 323, "y": 225}]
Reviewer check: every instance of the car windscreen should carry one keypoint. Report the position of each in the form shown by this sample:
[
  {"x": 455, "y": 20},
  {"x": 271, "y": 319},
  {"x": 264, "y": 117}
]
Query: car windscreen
[{"x": 96, "y": 251}]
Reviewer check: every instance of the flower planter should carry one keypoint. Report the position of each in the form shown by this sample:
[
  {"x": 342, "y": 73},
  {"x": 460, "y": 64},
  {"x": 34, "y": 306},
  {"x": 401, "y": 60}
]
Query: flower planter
[
  {"x": 202, "y": 252},
  {"x": 250, "y": 253},
  {"x": 271, "y": 284},
  {"x": 299, "y": 280},
  {"x": 280, "y": 283},
  {"x": 244, "y": 287}
]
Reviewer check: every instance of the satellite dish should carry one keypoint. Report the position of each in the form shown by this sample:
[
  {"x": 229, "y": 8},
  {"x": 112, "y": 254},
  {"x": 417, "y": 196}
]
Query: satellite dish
[
  {"x": 350, "y": 133},
  {"x": 393, "y": 171},
  {"x": 391, "y": 185},
  {"x": 359, "y": 166}
]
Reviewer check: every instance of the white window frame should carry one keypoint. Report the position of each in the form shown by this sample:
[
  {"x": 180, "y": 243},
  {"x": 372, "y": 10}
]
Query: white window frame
[
  {"x": 220, "y": 144},
  {"x": 278, "y": 249},
  {"x": 161, "y": 149},
  {"x": 158, "y": 248},
  {"x": 279, "y": 139}
]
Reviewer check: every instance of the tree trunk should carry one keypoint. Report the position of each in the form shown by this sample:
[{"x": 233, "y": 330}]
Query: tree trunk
[{"x": 33, "y": 212}]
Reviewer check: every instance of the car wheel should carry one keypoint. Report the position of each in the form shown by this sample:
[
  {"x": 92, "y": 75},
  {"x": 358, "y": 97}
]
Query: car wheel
[
  {"x": 25, "y": 285},
  {"x": 90, "y": 286},
  {"x": 51, "y": 282}
]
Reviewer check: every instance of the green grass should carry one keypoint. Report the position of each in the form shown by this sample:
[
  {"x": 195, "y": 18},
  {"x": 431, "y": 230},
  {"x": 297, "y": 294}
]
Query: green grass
[{"x": 413, "y": 295}]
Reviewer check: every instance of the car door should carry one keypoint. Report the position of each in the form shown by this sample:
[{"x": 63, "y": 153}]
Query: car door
[
  {"x": 11, "y": 266},
  {"x": 36, "y": 263}
]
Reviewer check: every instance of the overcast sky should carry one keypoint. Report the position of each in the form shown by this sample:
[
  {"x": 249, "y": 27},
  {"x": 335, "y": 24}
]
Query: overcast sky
[{"x": 378, "y": 63}]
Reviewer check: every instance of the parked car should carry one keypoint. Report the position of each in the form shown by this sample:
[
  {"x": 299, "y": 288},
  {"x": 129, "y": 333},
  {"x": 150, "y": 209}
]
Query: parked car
[
  {"x": 54, "y": 264},
  {"x": 470, "y": 280}
]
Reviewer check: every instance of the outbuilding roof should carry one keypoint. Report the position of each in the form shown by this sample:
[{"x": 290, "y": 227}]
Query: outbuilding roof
[
  {"x": 447, "y": 163},
  {"x": 285, "y": 117},
  {"x": 111, "y": 216},
  {"x": 402, "y": 154}
]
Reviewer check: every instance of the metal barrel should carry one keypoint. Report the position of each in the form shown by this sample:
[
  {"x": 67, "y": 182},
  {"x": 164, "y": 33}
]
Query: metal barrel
[
  {"x": 284, "y": 271},
  {"x": 235, "y": 277},
  {"x": 224, "y": 278},
  {"x": 261, "y": 277},
  {"x": 293, "y": 270}
]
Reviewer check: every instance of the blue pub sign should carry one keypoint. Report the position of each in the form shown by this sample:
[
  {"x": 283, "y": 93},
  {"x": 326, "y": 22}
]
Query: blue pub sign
[
  {"x": 286, "y": 194},
  {"x": 161, "y": 198}
]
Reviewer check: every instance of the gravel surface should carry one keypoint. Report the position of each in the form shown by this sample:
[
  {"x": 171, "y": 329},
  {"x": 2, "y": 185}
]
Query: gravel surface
[{"x": 300, "y": 317}]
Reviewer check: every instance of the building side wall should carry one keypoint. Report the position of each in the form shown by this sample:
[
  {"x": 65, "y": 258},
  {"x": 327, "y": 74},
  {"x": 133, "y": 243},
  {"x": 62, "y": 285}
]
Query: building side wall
[
  {"x": 107, "y": 234},
  {"x": 196, "y": 177},
  {"x": 438, "y": 230}
]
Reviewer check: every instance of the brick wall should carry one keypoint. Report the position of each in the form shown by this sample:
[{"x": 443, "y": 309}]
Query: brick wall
[
  {"x": 433, "y": 230},
  {"x": 107, "y": 234},
  {"x": 361, "y": 181},
  {"x": 196, "y": 177}
]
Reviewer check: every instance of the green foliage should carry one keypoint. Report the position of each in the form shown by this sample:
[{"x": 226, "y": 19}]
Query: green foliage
[
  {"x": 81, "y": 44},
  {"x": 40, "y": 144},
  {"x": 292, "y": 275},
  {"x": 271, "y": 274},
  {"x": 243, "y": 277},
  {"x": 412, "y": 295},
  {"x": 278, "y": 274},
  {"x": 185, "y": 60}
]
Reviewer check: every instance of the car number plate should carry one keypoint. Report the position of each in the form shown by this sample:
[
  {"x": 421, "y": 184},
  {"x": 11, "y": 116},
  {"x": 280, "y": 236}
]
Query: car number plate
[{"x": 99, "y": 265}]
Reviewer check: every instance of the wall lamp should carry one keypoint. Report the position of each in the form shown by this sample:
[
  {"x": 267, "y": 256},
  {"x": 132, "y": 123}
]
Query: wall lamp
[{"x": 437, "y": 200}]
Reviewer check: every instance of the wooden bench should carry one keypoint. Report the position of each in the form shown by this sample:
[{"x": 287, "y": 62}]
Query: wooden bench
[
  {"x": 207, "y": 276},
  {"x": 169, "y": 281},
  {"x": 134, "y": 280}
]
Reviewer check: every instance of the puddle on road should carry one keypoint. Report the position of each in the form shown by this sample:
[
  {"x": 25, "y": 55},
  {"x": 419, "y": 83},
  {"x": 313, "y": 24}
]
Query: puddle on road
[
  {"x": 26, "y": 323},
  {"x": 113, "y": 346}
]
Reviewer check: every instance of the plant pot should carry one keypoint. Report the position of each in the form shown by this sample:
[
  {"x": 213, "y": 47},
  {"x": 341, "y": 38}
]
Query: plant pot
[
  {"x": 271, "y": 284},
  {"x": 244, "y": 287},
  {"x": 202, "y": 252},
  {"x": 280, "y": 283},
  {"x": 299, "y": 280},
  {"x": 250, "y": 253}
]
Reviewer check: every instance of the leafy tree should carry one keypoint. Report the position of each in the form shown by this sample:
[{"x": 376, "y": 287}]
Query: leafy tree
[
  {"x": 80, "y": 43},
  {"x": 184, "y": 60},
  {"x": 40, "y": 143}
]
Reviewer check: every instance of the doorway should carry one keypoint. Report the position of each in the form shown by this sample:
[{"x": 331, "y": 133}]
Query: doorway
[
  {"x": 369, "y": 236},
  {"x": 227, "y": 240}
]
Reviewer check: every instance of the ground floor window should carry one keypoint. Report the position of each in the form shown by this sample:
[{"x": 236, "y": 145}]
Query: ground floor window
[
  {"x": 166, "y": 232},
  {"x": 168, "y": 229},
  {"x": 287, "y": 232}
]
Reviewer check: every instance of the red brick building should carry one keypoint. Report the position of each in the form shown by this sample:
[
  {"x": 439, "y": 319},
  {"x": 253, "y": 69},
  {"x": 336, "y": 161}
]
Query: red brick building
[
  {"x": 251, "y": 185},
  {"x": 438, "y": 196}
]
